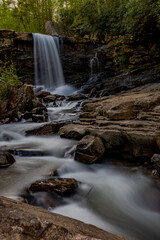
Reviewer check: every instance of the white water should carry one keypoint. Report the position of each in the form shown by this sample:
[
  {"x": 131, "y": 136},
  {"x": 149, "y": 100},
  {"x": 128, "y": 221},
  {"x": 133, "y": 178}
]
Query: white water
[
  {"x": 118, "y": 199},
  {"x": 48, "y": 69}
]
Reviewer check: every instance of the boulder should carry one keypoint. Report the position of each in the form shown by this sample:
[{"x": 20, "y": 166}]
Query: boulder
[
  {"x": 61, "y": 186},
  {"x": 6, "y": 159},
  {"x": 21, "y": 100},
  {"x": 89, "y": 149},
  {"x": 156, "y": 162},
  {"x": 22, "y": 221},
  {"x": 72, "y": 131}
]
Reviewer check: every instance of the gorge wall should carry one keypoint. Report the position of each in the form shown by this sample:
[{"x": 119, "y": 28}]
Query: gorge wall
[{"x": 117, "y": 55}]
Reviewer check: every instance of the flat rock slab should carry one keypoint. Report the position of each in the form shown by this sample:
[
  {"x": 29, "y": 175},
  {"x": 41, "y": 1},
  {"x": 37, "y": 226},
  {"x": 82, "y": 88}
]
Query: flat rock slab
[
  {"x": 20, "y": 221},
  {"x": 61, "y": 186}
]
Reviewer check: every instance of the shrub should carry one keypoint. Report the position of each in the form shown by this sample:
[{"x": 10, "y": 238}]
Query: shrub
[{"x": 8, "y": 79}]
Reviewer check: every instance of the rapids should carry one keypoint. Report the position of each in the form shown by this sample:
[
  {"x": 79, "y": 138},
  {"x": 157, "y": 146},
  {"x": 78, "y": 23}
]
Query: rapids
[{"x": 122, "y": 200}]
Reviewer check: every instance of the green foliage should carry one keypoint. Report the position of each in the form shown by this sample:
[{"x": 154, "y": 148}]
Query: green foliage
[
  {"x": 122, "y": 61},
  {"x": 8, "y": 79},
  {"x": 100, "y": 17}
]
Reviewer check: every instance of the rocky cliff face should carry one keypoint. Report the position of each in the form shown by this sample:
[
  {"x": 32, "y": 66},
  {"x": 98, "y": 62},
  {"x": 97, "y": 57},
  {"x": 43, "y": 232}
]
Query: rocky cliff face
[
  {"x": 82, "y": 57},
  {"x": 18, "y": 48}
]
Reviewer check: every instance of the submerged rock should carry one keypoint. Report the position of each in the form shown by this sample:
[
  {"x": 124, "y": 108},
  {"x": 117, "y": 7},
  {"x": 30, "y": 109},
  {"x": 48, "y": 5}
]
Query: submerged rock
[
  {"x": 61, "y": 186},
  {"x": 6, "y": 159},
  {"x": 22, "y": 221},
  {"x": 89, "y": 149}
]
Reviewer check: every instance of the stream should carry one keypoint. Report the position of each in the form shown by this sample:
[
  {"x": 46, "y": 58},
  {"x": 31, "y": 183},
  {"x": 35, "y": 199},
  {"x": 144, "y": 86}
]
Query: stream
[{"x": 122, "y": 200}]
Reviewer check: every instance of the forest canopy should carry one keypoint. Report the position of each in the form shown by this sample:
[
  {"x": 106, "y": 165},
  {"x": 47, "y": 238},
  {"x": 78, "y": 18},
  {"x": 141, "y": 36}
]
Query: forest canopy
[{"x": 112, "y": 17}]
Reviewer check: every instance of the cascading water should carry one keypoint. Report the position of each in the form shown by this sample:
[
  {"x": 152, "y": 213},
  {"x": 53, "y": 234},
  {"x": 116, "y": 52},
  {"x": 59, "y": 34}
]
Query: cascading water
[
  {"x": 94, "y": 64},
  {"x": 48, "y": 69}
]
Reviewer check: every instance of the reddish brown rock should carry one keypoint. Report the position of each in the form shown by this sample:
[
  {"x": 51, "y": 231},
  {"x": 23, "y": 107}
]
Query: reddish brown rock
[
  {"x": 89, "y": 149},
  {"x": 61, "y": 186}
]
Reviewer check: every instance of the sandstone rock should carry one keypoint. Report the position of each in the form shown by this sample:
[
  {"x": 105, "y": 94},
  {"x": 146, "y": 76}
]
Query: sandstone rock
[
  {"x": 61, "y": 186},
  {"x": 6, "y": 33},
  {"x": 156, "y": 162},
  {"x": 72, "y": 131},
  {"x": 89, "y": 149},
  {"x": 6, "y": 159},
  {"x": 22, "y": 221},
  {"x": 122, "y": 114}
]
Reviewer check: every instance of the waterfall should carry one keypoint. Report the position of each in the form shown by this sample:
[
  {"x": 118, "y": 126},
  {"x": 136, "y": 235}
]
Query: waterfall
[
  {"x": 47, "y": 64},
  {"x": 94, "y": 64}
]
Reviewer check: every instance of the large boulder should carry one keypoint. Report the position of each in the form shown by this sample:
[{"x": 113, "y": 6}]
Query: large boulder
[
  {"x": 21, "y": 221},
  {"x": 6, "y": 159},
  {"x": 20, "y": 100},
  {"x": 61, "y": 186},
  {"x": 89, "y": 149},
  {"x": 72, "y": 131}
]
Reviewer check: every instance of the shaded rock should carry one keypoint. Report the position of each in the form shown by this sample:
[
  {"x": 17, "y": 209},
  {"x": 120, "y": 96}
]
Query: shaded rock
[
  {"x": 49, "y": 128},
  {"x": 6, "y": 159},
  {"x": 37, "y": 118},
  {"x": 156, "y": 162},
  {"x": 21, "y": 100},
  {"x": 78, "y": 96},
  {"x": 89, "y": 149},
  {"x": 53, "y": 98},
  {"x": 72, "y": 131},
  {"x": 61, "y": 186},
  {"x": 22, "y": 221},
  {"x": 38, "y": 110},
  {"x": 27, "y": 115}
]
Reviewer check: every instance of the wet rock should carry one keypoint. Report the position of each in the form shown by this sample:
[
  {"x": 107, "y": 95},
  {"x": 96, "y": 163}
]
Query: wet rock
[
  {"x": 53, "y": 98},
  {"x": 156, "y": 162},
  {"x": 49, "y": 128},
  {"x": 27, "y": 115},
  {"x": 61, "y": 186},
  {"x": 42, "y": 94},
  {"x": 6, "y": 159},
  {"x": 78, "y": 96},
  {"x": 39, "y": 110},
  {"x": 89, "y": 149},
  {"x": 72, "y": 131},
  {"x": 37, "y": 118},
  {"x": 22, "y": 221}
]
